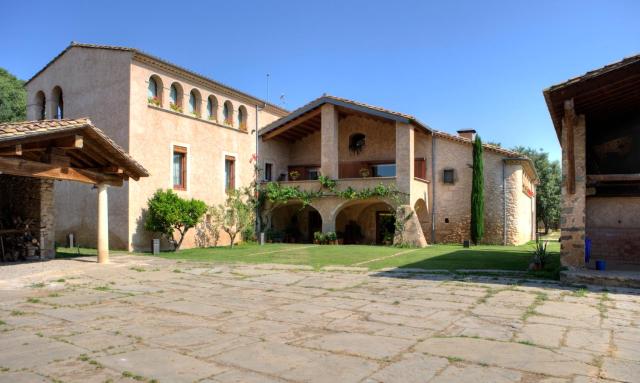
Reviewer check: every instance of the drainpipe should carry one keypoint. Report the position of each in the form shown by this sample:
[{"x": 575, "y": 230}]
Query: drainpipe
[
  {"x": 433, "y": 188},
  {"x": 258, "y": 223},
  {"x": 504, "y": 202}
]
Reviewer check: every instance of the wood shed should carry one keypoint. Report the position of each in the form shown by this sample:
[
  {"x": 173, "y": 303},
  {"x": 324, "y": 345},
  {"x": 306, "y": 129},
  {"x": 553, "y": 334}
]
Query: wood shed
[{"x": 35, "y": 154}]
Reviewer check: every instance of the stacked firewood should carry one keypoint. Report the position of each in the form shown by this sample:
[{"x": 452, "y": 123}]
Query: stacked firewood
[{"x": 18, "y": 242}]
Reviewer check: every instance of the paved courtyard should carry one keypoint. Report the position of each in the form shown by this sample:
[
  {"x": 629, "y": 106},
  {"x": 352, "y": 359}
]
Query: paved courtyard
[{"x": 149, "y": 319}]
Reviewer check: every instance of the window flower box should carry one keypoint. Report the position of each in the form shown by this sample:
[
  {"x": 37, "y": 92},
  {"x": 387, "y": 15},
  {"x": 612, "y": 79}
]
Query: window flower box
[
  {"x": 153, "y": 101},
  {"x": 175, "y": 107}
]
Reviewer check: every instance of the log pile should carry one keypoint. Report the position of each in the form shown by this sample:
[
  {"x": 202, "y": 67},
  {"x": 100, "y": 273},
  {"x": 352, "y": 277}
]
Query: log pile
[{"x": 19, "y": 243}]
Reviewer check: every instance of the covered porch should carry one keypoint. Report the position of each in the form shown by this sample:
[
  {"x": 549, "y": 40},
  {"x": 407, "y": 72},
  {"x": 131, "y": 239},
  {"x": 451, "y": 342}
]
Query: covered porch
[
  {"x": 597, "y": 119},
  {"x": 34, "y": 154}
]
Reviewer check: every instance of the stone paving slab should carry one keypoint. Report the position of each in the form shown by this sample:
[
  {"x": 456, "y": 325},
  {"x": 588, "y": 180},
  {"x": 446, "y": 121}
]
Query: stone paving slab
[{"x": 137, "y": 319}]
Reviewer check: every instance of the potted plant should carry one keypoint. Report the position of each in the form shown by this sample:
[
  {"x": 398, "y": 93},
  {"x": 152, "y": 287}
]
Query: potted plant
[
  {"x": 294, "y": 175},
  {"x": 332, "y": 238},
  {"x": 540, "y": 255},
  {"x": 317, "y": 237},
  {"x": 153, "y": 101},
  {"x": 364, "y": 172},
  {"x": 175, "y": 107}
]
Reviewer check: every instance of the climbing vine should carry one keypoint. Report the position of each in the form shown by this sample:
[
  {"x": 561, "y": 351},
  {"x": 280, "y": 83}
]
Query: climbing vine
[{"x": 277, "y": 193}]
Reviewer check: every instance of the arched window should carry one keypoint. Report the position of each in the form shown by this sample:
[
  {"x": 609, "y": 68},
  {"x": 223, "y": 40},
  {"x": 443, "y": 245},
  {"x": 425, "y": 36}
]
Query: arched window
[
  {"x": 194, "y": 102},
  {"x": 154, "y": 91},
  {"x": 41, "y": 105},
  {"x": 227, "y": 113},
  {"x": 58, "y": 103},
  {"x": 212, "y": 108},
  {"x": 175, "y": 97},
  {"x": 242, "y": 118}
]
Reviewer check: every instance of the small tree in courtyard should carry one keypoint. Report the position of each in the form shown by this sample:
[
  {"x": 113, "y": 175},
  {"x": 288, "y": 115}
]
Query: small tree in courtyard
[
  {"x": 237, "y": 214},
  {"x": 477, "y": 193},
  {"x": 172, "y": 216}
]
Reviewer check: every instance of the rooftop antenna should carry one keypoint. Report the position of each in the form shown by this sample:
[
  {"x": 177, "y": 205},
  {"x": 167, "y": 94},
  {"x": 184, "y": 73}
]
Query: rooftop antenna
[
  {"x": 268, "y": 75},
  {"x": 282, "y": 99}
]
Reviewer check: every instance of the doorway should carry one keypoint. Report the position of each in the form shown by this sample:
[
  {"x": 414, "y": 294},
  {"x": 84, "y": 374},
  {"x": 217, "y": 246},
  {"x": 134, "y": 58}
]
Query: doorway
[
  {"x": 315, "y": 224},
  {"x": 385, "y": 227}
]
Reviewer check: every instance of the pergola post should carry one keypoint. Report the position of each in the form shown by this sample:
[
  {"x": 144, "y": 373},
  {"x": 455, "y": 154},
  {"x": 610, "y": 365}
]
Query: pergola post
[{"x": 103, "y": 224}]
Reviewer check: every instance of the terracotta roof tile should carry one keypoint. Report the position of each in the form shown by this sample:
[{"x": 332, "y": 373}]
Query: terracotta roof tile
[{"x": 25, "y": 129}]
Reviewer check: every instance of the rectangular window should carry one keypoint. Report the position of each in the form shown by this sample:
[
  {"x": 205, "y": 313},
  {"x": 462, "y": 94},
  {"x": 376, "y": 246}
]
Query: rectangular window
[
  {"x": 229, "y": 173},
  {"x": 448, "y": 176},
  {"x": 180, "y": 168},
  {"x": 268, "y": 169},
  {"x": 420, "y": 168},
  {"x": 313, "y": 173},
  {"x": 384, "y": 170}
]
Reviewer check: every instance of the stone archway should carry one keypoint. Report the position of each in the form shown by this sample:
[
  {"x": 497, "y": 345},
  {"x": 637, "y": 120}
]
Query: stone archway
[
  {"x": 365, "y": 222},
  {"x": 293, "y": 222}
]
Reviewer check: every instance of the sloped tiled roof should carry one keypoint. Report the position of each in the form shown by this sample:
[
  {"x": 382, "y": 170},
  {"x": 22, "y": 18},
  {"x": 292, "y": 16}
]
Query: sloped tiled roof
[
  {"x": 343, "y": 102},
  {"x": 16, "y": 131},
  {"x": 140, "y": 53}
]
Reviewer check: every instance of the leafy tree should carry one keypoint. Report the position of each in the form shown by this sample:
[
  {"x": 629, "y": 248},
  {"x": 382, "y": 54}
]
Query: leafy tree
[
  {"x": 477, "y": 193},
  {"x": 237, "y": 214},
  {"x": 13, "y": 98},
  {"x": 548, "y": 192},
  {"x": 169, "y": 214}
]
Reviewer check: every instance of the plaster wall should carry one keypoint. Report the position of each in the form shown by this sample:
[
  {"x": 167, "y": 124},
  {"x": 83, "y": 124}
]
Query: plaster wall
[
  {"x": 155, "y": 130},
  {"x": 95, "y": 84}
]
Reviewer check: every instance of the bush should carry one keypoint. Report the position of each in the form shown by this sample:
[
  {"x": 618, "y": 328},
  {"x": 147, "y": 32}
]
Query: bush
[{"x": 168, "y": 213}]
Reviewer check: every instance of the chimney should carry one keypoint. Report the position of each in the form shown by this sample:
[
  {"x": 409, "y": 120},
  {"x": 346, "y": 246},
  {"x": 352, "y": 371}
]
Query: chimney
[{"x": 468, "y": 133}]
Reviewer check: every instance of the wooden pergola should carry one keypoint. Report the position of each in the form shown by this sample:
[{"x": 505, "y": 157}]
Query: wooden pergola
[{"x": 69, "y": 150}]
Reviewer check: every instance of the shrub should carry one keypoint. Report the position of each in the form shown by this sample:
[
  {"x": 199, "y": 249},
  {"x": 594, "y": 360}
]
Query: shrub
[
  {"x": 237, "y": 214},
  {"x": 169, "y": 214},
  {"x": 540, "y": 254}
]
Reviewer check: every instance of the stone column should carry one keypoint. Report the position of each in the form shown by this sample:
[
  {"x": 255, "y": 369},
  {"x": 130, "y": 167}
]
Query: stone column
[
  {"x": 103, "y": 224},
  {"x": 404, "y": 157},
  {"x": 572, "y": 221},
  {"x": 329, "y": 159}
]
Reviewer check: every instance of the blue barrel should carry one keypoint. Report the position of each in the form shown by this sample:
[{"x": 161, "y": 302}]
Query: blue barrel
[
  {"x": 587, "y": 250},
  {"x": 601, "y": 265}
]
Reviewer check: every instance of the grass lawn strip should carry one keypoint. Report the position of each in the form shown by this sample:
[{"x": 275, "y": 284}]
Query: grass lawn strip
[{"x": 386, "y": 257}]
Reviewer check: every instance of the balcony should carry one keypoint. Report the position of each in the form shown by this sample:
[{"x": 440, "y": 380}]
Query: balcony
[{"x": 343, "y": 183}]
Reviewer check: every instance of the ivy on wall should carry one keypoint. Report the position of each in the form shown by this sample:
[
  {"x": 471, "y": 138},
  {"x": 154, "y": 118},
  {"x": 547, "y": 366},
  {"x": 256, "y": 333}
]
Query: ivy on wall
[{"x": 276, "y": 193}]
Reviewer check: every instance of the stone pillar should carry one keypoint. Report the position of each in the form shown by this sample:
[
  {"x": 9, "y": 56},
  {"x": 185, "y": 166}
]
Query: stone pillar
[
  {"x": 47, "y": 220},
  {"x": 404, "y": 157},
  {"x": 103, "y": 224},
  {"x": 572, "y": 221},
  {"x": 329, "y": 159}
]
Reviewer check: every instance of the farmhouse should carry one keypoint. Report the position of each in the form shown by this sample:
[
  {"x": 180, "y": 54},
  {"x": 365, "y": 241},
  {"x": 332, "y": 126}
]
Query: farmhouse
[
  {"x": 200, "y": 138},
  {"x": 363, "y": 147}
]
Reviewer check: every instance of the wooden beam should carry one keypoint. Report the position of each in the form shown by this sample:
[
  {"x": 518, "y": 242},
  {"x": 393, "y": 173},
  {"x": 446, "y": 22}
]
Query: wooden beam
[
  {"x": 24, "y": 168},
  {"x": 65, "y": 143},
  {"x": 291, "y": 124},
  {"x": 612, "y": 177},
  {"x": 569, "y": 122},
  {"x": 15, "y": 150}
]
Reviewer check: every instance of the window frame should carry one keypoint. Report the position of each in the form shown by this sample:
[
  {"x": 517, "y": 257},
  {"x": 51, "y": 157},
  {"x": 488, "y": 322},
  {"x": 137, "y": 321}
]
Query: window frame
[
  {"x": 268, "y": 171},
  {"x": 374, "y": 168},
  {"x": 230, "y": 182},
  {"x": 444, "y": 176},
  {"x": 184, "y": 152}
]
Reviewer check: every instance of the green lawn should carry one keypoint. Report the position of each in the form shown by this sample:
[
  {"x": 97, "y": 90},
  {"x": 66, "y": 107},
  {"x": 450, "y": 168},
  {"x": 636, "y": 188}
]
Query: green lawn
[{"x": 435, "y": 257}]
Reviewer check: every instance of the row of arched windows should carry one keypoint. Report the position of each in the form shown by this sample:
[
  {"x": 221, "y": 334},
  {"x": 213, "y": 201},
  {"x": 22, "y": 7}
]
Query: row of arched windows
[
  {"x": 56, "y": 104},
  {"x": 154, "y": 94}
]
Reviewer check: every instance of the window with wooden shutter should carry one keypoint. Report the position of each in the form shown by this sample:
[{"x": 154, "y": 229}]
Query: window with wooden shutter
[
  {"x": 229, "y": 173},
  {"x": 180, "y": 168}
]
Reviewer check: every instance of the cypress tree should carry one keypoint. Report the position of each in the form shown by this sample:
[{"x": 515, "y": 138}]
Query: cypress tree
[{"x": 477, "y": 193}]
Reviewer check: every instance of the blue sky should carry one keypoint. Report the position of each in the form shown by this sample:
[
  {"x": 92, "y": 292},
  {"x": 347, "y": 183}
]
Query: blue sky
[{"x": 452, "y": 64}]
